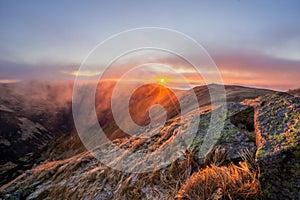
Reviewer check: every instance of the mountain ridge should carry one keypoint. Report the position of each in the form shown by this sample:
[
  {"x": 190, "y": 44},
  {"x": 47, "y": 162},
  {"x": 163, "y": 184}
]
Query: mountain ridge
[{"x": 83, "y": 169}]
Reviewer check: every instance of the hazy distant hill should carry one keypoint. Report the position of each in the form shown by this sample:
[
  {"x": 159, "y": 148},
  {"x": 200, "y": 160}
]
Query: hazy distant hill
[
  {"x": 295, "y": 92},
  {"x": 31, "y": 115}
]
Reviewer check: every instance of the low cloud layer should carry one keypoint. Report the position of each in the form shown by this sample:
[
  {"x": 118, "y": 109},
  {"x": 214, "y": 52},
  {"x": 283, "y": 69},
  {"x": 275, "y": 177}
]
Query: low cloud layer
[{"x": 240, "y": 68}]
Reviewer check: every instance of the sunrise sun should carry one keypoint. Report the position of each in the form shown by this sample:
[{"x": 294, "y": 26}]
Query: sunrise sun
[{"x": 162, "y": 80}]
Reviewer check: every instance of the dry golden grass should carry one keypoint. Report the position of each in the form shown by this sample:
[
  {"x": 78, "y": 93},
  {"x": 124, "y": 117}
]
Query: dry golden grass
[
  {"x": 179, "y": 181},
  {"x": 160, "y": 184},
  {"x": 82, "y": 176},
  {"x": 183, "y": 179},
  {"x": 215, "y": 156},
  {"x": 229, "y": 182}
]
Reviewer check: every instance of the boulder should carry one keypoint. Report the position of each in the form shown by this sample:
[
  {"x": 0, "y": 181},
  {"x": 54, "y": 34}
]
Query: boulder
[
  {"x": 277, "y": 127},
  {"x": 236, "y": 136}
]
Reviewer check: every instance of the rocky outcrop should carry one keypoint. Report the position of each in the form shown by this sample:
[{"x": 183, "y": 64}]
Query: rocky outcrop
[
  {"x": 278, "y": 135},
  {"x": 236, "y": 136}
]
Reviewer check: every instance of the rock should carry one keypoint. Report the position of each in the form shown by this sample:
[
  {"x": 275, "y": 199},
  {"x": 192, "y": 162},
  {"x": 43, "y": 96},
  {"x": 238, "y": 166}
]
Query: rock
[
  {"x": 236, "y": 136},
  {"x": 278, "y": 134}
]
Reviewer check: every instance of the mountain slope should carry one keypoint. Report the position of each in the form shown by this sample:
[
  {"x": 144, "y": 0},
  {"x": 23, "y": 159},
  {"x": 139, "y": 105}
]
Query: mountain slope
[
  {"x": 31, "y": 115},
  {"x": 83, "y": 176}
]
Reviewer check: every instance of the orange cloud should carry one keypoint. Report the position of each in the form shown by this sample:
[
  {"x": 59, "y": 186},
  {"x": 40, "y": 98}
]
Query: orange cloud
[{"x": 9, "y": 80}]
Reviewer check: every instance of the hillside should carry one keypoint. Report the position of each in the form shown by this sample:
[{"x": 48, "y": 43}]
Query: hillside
[
  {"x": 31, "y": 115},
  {"x": 227, "y": 170}
]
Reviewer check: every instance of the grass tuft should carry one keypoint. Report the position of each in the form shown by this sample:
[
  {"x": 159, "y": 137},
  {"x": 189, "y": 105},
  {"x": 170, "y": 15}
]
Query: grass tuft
[{"x": 226, "y": 182}]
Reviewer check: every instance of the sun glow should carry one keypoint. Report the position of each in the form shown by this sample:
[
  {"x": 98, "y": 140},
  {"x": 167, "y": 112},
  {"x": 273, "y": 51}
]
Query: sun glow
[{"x": 162, "y": 80}]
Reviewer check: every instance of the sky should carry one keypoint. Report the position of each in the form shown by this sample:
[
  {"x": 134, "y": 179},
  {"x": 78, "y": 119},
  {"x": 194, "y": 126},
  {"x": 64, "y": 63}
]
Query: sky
[{"x": 253, "y": 43}]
